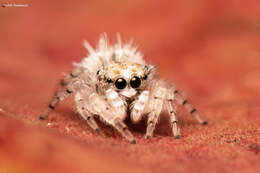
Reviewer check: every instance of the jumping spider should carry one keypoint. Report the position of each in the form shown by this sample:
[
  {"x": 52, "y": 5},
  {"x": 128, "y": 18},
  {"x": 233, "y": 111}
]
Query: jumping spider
[{"x": 114, "y": 80}]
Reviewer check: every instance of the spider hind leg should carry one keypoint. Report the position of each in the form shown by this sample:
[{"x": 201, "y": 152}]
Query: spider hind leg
[
  {"x": 66, "y": 89},
  {"x": 189, "y": 107}
]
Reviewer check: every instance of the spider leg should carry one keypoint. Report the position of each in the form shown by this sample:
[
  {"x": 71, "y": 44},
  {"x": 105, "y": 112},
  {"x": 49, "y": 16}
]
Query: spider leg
[
  {"x": 58, "y": 97},
  {"x": 123, "y": 129},
  {"x": 70, "y": 77},
  {"x": 116, "y": 102},
  {"x": 109, "y": 114},
  {"x": 91, "y": 121},
  {"x": 171, "y": 108},
  {"x": 157, "y": 96},
  {"x": 138, "y": 106},
  {"x": 61, "y": 94},
  {"x": 189, "y": 107},
  {"x": 86, "y": 115},
  {"x": 152, "y": 120}
]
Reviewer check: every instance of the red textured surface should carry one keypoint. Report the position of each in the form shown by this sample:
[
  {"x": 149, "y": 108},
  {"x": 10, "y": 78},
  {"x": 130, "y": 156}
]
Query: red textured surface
[{"x": 209, "y": 49}]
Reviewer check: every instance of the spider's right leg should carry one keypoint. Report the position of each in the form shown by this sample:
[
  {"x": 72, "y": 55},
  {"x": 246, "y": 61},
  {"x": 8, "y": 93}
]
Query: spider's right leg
[
  {"x": 61, "y": 94},
  {"x": 99, "y": 106}
]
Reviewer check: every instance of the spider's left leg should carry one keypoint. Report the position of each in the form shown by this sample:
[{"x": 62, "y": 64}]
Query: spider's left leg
[{"x": 157, "y": 97}]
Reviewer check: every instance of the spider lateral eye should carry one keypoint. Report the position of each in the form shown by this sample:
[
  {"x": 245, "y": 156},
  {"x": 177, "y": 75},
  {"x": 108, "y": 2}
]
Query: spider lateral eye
[
  {"x": 144, "y": 77},
  {"x": 120, "y": 83},
  {"x": 135, "y": 82},
  {"x": 109, "y": 80}
]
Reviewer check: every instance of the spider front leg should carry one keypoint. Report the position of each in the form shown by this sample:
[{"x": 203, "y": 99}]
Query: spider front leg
[
  {"x": 111, "y": 114},
  {"x": 138, "y": 106},
  {"x": 63, "y": 93}
]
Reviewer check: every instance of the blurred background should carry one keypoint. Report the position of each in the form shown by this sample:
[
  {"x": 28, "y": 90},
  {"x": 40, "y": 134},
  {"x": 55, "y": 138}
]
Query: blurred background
[{"x": 209, "y": 49}]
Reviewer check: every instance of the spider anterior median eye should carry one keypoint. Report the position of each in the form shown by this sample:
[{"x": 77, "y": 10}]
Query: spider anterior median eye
[
  {"x": 135, "y": 82},
  {"x": 120, "y": 83}
]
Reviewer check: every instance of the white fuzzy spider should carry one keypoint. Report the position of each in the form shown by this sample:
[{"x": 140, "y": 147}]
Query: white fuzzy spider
[{"x": 114, "y": 81}]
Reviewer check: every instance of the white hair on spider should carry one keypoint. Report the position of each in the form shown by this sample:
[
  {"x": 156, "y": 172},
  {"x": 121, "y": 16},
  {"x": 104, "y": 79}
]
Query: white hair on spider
[{"x": 105, "y": 53}]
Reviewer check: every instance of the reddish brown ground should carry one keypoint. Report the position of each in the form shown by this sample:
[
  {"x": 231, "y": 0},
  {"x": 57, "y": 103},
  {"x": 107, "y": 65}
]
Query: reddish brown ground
[{"x": 210, "y": 50}]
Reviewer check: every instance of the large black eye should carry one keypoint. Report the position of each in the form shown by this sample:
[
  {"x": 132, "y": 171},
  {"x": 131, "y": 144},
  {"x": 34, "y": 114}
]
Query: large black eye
[
  {"x": 135, "y": 82},
  {"x": 120, "y": 83}
]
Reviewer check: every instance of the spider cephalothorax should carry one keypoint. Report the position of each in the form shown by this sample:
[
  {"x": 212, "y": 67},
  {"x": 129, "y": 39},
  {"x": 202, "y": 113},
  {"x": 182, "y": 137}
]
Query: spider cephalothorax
[
  {"x": 114, "y": 80},
  {"x": 126, "y": 79}
]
